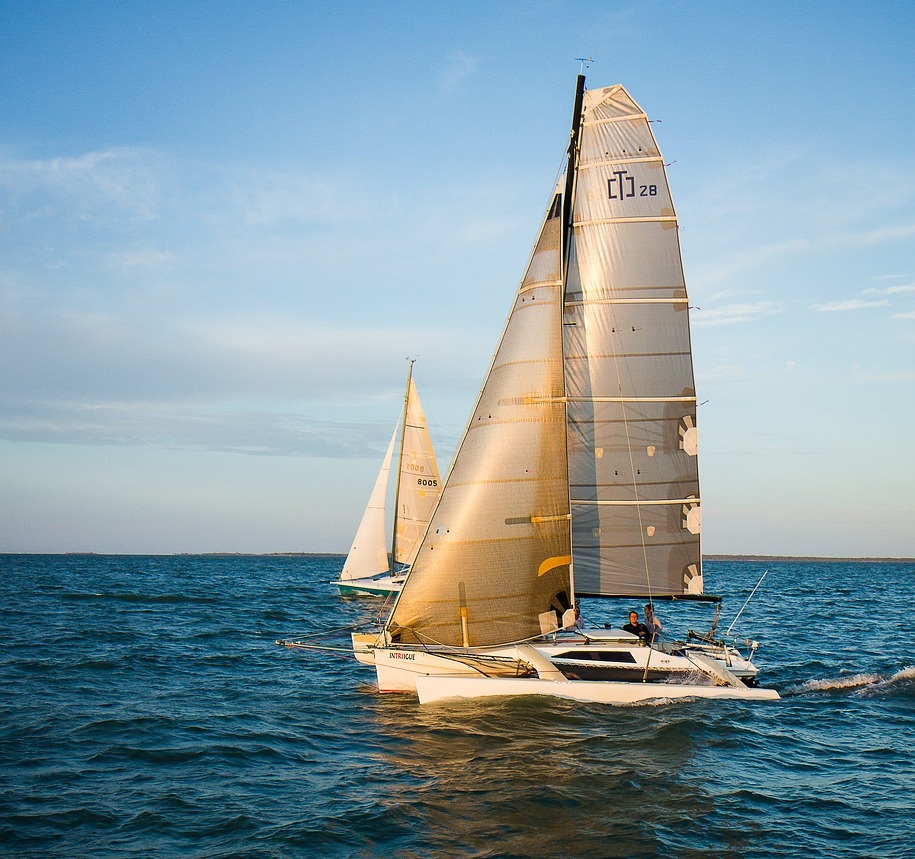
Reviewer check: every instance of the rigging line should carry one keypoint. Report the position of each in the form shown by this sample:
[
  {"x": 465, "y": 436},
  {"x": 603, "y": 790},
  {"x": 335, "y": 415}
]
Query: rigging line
[
  {"x": 352, "y": 627},
  {"x": 635, "y": 484},
  {"x": 383, "y": 611},
  {"x": 339, "y": 652},
  {"x": 766, "y": 573}
]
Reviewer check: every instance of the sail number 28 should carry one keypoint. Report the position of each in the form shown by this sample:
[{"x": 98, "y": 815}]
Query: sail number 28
[{"x": 622, "y": 186}]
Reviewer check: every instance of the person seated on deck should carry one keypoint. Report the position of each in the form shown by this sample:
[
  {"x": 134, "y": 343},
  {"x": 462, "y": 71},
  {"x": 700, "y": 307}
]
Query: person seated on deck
[
  {"x": 637, "y": 628},
  {"x": 572, "y": 619},
  {"x": 651, "y": 621}
]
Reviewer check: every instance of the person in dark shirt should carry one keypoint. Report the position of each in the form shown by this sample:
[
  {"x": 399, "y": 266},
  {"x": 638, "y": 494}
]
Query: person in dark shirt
[{"x": 637, "y": 628}]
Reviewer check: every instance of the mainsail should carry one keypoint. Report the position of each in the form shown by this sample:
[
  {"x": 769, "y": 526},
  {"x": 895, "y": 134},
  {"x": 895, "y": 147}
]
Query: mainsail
[
  {"x": 634, "y": 480},
  {"x": 419, "y": 485},
  {"x": 581, "y": 451}
]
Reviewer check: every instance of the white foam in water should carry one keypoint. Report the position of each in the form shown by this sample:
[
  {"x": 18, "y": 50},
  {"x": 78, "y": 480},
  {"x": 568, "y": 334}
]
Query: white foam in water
[
  {"x": 899, "y": 677},
  {"x": 854, "y": 681},
  {"x": 829, "y": 683}
]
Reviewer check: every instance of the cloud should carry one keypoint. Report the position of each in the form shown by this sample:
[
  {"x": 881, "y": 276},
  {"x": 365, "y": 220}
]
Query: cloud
[
  {"x": 146, "y": 258},
  {"x": 155, "y": 302},
  {"x": 847, "y": 305},
  {"x": 180, "y": 427},
  {"x": 458, "y": 67},
  {"x": 891, "y": 376},
  {"x": 878, "y": 236},
  {"x": 794, "y": 206},
  {"x": 260, "y": 386},
  {"x": 908, "y": 315},
  {"x": 100, "y": 184},
  {"x": 902, "y": 289},
  {"x": 733, "y": 314}
]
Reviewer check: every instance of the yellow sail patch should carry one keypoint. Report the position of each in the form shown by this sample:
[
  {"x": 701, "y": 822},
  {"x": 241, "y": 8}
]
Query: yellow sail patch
[{"x": 552, "y": 563}]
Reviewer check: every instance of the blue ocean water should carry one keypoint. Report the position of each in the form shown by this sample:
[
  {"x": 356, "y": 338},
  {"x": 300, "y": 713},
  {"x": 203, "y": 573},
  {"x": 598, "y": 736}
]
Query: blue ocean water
[{"x": 146, "y": 711}]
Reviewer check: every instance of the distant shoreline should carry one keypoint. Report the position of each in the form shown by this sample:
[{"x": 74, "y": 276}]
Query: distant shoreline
[
  {"x": 793, "y": 558},
  {"x": 710, "y": 557}
]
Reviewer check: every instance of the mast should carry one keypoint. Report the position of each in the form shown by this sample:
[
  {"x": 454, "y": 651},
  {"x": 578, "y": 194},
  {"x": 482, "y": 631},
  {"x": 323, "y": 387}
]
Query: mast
[
  {"x": 403, "y": 434},
  {"x": 571, "y": 169},
  {"x": 567, "y": 217}
]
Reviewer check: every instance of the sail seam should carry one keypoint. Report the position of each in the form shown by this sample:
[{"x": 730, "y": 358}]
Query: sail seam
[
  {"x": 658, "y": 219},
  {"x": 635, "y": 503},
  {"x": 645, "y": 159},
  {"x": 538, "y": 284},
  {"x": 611, "y": 399},
  {"x": 605, "y": 119},
  {"x": 595, "y": 301}
]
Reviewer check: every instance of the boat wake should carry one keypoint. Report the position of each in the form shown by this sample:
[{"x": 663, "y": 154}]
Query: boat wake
[{"x": 860, "y": 684}]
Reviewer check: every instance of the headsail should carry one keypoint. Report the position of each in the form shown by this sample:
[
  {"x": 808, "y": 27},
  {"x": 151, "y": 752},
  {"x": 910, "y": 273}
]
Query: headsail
[
  {"x": 368, "y": 555},
  {"x": 496, "y": 554},
  {"x": 420, "y": 485},
  {"x": 634, "y": 483}
]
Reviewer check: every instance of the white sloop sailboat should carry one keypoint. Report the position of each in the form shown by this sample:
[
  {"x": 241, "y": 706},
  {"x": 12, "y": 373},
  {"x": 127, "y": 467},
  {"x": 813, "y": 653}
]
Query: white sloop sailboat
[
  {"x": 367, "y": 569},
  {"x": 578, "y": 472}
]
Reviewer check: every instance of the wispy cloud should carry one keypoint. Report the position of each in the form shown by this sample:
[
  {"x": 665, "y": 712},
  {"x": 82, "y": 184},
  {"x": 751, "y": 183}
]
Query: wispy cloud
[
  {"x": 901, "y": 289},
  {"x": 458, "y": 67},
  {"x": 909, "y": 315},
  {"x": 123, "y": 181},
  {"x": 892, "y": 376},
  {"x": 794, "y": 206},
  {"x": 734, "y": 314},
  {"x": 847, "y": 305},
  {"x": 180, "y": 427}
]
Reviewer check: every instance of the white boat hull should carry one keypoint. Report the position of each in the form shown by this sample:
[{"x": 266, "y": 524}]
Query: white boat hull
[
  {"x": 382, "y": 586},
  {"x": 628, "y": 672},
  {"x": 398, "y": 668},
  {"x": 432, "y": 688}
]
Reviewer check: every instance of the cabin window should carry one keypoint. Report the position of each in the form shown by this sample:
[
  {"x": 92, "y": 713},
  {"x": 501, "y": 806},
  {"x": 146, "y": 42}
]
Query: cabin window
[{"x": 597, "y": 655}]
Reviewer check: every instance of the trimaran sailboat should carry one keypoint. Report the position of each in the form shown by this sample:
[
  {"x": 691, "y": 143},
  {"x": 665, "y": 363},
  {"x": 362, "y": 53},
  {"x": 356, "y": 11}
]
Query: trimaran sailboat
[
  {"x": 367, "y": 569},
  {"x": 578, "y": 472}
]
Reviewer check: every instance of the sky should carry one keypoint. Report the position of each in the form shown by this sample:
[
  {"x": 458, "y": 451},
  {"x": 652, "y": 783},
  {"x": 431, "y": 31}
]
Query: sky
[{"x": 225, "y": 226}]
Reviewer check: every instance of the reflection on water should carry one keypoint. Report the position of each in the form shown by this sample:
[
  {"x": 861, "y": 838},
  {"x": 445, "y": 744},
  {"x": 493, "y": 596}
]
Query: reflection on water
[{"x": 585, "y": 780}]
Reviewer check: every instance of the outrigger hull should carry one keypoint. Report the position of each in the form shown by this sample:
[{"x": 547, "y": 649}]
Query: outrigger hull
[{"x": 432, "y": 688}]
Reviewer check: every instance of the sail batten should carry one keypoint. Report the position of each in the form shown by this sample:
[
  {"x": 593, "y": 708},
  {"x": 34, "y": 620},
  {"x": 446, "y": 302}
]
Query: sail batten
[{"x": 637, "y": 502}]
